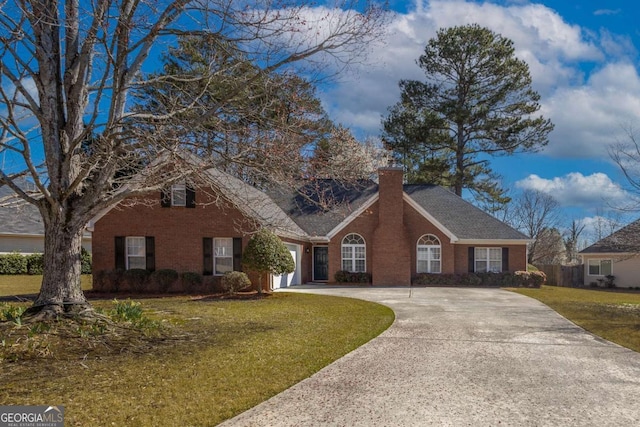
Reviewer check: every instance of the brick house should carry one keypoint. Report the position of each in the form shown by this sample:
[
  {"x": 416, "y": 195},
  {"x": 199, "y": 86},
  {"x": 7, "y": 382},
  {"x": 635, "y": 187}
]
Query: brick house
[{"x": 390, "y": 230}]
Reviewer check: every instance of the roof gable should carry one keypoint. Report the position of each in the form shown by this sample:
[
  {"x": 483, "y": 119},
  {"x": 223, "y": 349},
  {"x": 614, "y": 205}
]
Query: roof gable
[
  {"x": 625, "y": 240},
  {"x": 462, "y": 219}
]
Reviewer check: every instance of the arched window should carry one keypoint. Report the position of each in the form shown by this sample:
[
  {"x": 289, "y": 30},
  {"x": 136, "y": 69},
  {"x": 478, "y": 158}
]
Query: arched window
[
  {"x": 354, "y": 253},
  {"x": 429, "y": 254}
]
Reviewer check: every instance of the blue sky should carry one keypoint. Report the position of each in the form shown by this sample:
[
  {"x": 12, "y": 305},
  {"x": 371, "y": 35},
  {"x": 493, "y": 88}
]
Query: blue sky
[{"x": 583, "y": 57}]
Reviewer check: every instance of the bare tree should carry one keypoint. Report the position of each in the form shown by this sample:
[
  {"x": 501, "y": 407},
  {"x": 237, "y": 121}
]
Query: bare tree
[
  {"x": 571, "y": 239},
  {"x": 341, "y": 155},
  {"x": 549, "y": 248},
  {"x": 68, "y": 71},
  {"x": 533, "y": 213},
  {"x": 626, "y": 154}
]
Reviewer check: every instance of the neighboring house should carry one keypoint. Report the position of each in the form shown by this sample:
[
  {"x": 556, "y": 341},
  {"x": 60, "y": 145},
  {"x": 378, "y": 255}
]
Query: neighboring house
[
  {"x": 21, "y": 227},
  {"x": 389, "y": 230},
  {"x": 617, "y": 255}
]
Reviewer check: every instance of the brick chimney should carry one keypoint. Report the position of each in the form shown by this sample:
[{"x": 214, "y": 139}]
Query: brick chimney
[{"x": 391, "y": 246}]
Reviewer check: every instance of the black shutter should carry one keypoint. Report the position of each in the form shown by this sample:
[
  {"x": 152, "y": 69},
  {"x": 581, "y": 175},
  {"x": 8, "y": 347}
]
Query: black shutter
[
  {"x": 472, "y": 259},
  {"x": 120, "y": 262},
  {"x": 237, "y": 254},
  {"x": 191, "y": 197},
  {"x": 207, "y": 256},
  {"x": 165, "y": 198},
  {"x": 505, "y": 259},
  {"x": 150, "y": 252}
]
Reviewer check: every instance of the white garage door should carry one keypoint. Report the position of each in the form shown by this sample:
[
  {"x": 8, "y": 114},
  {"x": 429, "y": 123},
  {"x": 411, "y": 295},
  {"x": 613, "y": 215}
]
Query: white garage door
[{"x": 285, "y": 280}]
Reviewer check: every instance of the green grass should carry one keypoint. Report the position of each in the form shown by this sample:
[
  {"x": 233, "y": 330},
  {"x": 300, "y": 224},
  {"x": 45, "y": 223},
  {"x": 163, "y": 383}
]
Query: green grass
[
  {"x": 30, "y": 284},
  {"x": 213, "y": 360},
  {"x": 614, "y": 316}
]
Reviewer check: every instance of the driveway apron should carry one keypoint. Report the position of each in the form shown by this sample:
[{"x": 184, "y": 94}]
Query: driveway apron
[{"x": 464, "y": 357}]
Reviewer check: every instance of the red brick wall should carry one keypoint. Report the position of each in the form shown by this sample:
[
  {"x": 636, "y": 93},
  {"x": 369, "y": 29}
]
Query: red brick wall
[
  {"x": 392, "y": 257},
  {"x": 517, "y": 257},
  {"x": 418, "y": 225},
  {"x": 364, "y": 225},
  {"x": 178, "y": 231}
]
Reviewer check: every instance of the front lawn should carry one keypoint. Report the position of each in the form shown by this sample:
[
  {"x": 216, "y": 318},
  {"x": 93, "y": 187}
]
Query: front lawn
[
  {"x": 11, "y": 285},
  {"x": 211, "y": 359},
  {"x": 614, "y": 316}
]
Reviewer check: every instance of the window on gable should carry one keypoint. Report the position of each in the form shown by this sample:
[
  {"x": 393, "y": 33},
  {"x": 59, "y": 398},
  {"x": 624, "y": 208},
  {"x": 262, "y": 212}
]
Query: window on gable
[
  {"x": 135, "y": 253},
  {"x": 179, "y": 194},
  {"x": 488, "y": 260},
  {"x": 600, "y": 267},
  {"x": 429, "y": 258},
  {"x": 222, "y": 255},
  {"x": 354, "y": 253}
]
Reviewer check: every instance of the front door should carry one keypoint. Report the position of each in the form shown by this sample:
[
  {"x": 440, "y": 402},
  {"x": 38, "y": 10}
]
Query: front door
[{"x": 320, "y": 263}]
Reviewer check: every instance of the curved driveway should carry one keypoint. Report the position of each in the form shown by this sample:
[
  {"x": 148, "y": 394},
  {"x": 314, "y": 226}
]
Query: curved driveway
[{"x": 464, "y": 357}]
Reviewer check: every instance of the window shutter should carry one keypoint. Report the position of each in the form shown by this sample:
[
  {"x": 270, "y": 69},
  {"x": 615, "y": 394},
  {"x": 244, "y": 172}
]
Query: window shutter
[
  {"x": 472, "y": 259},
  {"x": 120, "y": 253},
  {"x": 191, "y": 197},
  {"x": 237, "y": 254},
  {"x": 165, "y": 198},
  {"x": 505, "y": 259},
  {"x": 207, "y": 256},
  {"x": 150, "y": 252}
]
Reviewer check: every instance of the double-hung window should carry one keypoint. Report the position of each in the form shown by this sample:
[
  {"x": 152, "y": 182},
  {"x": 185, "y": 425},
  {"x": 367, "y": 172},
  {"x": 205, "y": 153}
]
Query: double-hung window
[
  {"x": 222, "y": 255},
  {"x": 179, "y": 194},
  {"x": 354, "y": 254},
  {"x": 600, "y": 267},
  {"x": 135, "y": 253},
  {"x": 488, "y": 260},
  {"x": 429, "y": 254}
]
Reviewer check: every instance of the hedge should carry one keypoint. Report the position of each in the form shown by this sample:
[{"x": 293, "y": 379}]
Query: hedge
[
  {"x": 159, "y": 282},
  {"x": 16, "y": 263},
  {"x": 344, "y": 276},
  {"x": 518, "y": 279}
]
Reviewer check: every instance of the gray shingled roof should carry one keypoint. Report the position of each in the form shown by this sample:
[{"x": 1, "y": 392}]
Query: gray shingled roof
[
  {"x": 19, "y": 218},
  {"x": 460, "y": 217},
  {"x": 625, "y": 240},
  {"x": 254, "y": 203},
  {"x": 322, "y": 204}
]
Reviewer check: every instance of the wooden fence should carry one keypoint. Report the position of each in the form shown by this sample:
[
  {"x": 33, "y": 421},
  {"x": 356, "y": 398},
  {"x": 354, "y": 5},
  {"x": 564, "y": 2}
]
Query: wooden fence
[{"x": 564, "y": 275}]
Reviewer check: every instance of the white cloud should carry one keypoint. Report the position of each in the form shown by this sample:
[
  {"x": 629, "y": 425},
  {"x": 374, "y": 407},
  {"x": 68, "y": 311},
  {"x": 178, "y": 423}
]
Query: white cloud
[
  {"x": 596, "y": 191},
  {"x": 591, "y": 117},
  {"x": 553, "y": 48}
]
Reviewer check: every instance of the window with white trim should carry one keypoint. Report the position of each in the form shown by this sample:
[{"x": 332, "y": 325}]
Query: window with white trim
[
  {"x": 488, "y": 260},
  {"x": 600, "y": 267},
  {"x": 354, "y": 253},
  {"x": 429, "y": 254},
  {"x": 222, "y": 255},
  {"x": 179, "y": 194},
  {"x": 135, "y": 252}
]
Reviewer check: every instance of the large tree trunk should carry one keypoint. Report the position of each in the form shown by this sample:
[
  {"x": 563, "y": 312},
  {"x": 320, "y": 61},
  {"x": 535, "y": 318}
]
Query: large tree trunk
[{"x": 60, "y": 293}]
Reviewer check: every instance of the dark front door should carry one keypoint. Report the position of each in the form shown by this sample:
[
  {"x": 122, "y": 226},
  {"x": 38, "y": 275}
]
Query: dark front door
[{"x": 321, "y": 263}]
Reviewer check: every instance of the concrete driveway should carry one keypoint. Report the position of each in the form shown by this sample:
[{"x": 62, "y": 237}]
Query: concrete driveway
[{"x": 464, "y": 357}]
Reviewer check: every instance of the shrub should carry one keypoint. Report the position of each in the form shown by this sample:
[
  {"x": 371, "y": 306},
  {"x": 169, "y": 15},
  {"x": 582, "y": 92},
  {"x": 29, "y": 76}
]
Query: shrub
[
  {"x": 35, "y": 264},
  {"x": 344, "y": 276},
  {"x": 518, "y": 279},
  {"x": 191, "y": 282},
  {"x": 266, "y": 254},
  {"x": 107, "y": 280},
  {"x": 13, "y": 263},
  {"x": 85, "y": 261},
  {"x": 161, "y": 280},
  {"x": 134, "y": 279},
  {"x": 234, "y": 281}
]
